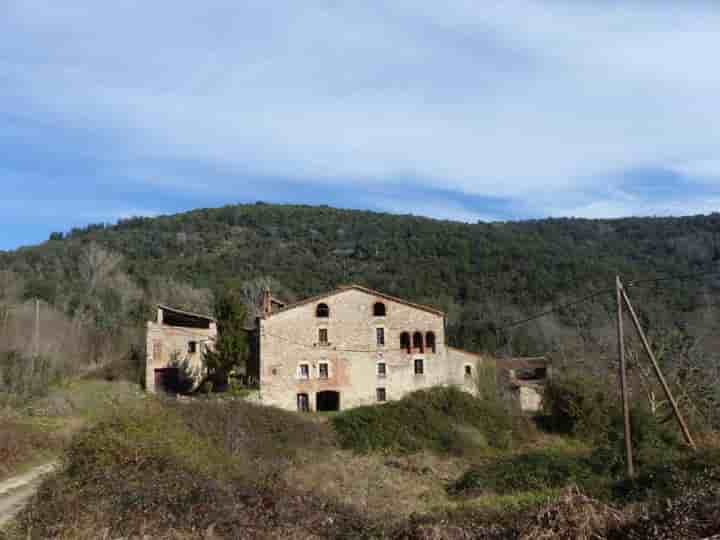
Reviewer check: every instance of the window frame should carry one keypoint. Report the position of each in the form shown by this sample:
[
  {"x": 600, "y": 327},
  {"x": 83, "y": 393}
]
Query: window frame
[
  {"x": 300, "y": 376},
  {"x": 326, "y": 365},
  {"x": 376, "y": 310},
  {"x": 468, "y": 371},
  {"x": 323, "y": 333},
  {"x": 421, "y": 364},
  {"x": 380, "y": 336},
  {"x": 381, "y": 394},
  {"x": 192, "y": 347},
  {"x": 382, "y": 374}
]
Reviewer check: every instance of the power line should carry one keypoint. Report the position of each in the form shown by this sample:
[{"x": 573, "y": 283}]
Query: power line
[
  {"x": 678, "y": 277},
  {"x": 556, "y": 308}
]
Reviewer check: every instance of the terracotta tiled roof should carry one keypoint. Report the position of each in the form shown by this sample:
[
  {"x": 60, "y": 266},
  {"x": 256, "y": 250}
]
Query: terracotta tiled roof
[{"x": 361, "y": 289}]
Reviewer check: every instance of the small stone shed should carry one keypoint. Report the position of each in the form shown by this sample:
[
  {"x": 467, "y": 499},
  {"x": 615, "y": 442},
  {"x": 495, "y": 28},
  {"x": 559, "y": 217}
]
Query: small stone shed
[
  {"x": 524, "y": 379},
  {"x": 176, "y": 336}
]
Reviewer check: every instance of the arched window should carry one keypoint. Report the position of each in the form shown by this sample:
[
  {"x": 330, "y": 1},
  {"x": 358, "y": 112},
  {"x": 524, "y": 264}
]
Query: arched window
[
  {"x": 322, "y": 311},
  {"x": 379, "y": 309},
  {"x": 430, "y": 341},
  {"x": 405, "y": 341},
  {"x": 418, "y": 342}
]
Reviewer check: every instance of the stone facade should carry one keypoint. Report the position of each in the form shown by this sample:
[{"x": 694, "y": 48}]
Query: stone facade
[
  {"x": 340, "y": 351},
  {"x": 176, "y": 334}
]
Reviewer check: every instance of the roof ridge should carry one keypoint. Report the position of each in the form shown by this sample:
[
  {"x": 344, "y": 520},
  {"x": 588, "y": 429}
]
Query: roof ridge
[{"x": 342, "y": 288}]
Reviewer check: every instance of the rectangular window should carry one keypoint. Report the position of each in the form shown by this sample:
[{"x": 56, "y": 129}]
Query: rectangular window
[
  {"x": 380, "y": 393},
  {"x": 380, "y": 334},
  {"x": 323, "y": 370},
  {"x": 323, "y": 336},
  {"x": 303, "y": 403},
  {"x": 304, "y": 371},
  {"x": 381, "y": 369},
  {"x": 192, "y": 347},
  {"x": 419, "y": 367},
  {"x": 157, "y": 351}
]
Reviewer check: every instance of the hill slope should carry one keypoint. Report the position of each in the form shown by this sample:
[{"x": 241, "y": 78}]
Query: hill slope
[{"x": 483, "y": 275}]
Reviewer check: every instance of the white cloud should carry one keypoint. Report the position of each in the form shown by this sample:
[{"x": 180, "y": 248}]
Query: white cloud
[{"x": 511, "y": 99}]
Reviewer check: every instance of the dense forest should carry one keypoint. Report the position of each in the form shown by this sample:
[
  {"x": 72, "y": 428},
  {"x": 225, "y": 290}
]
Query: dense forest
[{"x": 483, "y": 275}]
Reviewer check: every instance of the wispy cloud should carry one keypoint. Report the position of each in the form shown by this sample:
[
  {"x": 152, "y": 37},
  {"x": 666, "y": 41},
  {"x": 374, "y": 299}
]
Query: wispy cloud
[{"x": 513, "y": 100}]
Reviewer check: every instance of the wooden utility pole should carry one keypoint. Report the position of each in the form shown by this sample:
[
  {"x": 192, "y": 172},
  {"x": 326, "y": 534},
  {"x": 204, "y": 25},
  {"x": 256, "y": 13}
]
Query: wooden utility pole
[
  {"x": 37, "y": 327},
  {"x": 656, "y": 368},
  {"x": 623, "y": 381}
]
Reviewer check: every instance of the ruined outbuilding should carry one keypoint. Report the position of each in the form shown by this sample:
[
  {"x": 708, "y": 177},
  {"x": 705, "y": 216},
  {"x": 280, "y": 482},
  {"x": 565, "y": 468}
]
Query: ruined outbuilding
[
  {"x": 173, "y": 339},
  {"x": 524, "y": 380}
]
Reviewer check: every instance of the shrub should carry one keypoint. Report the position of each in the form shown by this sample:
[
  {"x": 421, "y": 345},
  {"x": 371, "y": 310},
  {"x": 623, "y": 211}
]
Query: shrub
[
  {"x": 438, "y": 419},
  {"x": 653, "y": 443},
  {"x": 254, "y": 432},
  {"x": 672, "y": 477},
  {"x": 576, "y": 405},
  {"x": 144, "y": 473},
  {"x": 23, "y": 378},
  {"x": 530, "y": 471}
]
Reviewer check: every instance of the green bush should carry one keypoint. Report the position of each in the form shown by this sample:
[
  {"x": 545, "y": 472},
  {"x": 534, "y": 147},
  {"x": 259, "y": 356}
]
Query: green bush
[
  {"x": 653, "y": 443},
  {"x": 672, "y": 476},
  {"x": 531, "y": 471},
  {"x": 438, "y": 419},
  {"x": 576, "y": 405}
]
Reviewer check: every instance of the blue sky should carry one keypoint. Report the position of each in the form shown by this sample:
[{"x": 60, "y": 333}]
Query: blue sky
[{"x": 459, "y": 110}]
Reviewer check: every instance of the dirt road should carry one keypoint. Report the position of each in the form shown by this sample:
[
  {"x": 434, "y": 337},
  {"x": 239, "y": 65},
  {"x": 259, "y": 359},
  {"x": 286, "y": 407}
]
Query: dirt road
[{"x": 16, "y": 491}]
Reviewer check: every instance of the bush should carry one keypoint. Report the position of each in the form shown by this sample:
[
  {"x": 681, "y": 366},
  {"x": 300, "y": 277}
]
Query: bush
[
  {"x": 143, "y": 472},
  {"x": 438, "y": 419},
  {"x": 653, "y": 443},
  {"x": 575, "y": 405},
  {"x": 23, "y": 378},
  {"x": 672, "y": 477},
  {"x": 531, "y": 471},
  {"x": 129, "y": 367},
  {"x": 254, "y": 432}
]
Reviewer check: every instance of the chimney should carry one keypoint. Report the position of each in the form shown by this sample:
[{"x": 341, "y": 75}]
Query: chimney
[{"x": 266, "y": 303}]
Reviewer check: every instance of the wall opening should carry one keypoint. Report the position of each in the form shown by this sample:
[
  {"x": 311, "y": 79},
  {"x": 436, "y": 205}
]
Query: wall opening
[
  {"x": 167, "y": 379},
  {"x": 405, "y": 341},
  {"x": 322, "y": 311},
  {"x": 418, "y": 343},
  {"x": 303, "y": 403},
  {"x": 327, "y": 400},
  {"x": 430, "y": 341},
  {"x": 379, "y": 309}
]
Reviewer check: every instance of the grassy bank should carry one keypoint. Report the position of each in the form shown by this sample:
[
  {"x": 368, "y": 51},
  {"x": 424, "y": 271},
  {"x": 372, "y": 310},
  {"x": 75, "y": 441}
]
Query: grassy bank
[{"x": 230, "y": 469}]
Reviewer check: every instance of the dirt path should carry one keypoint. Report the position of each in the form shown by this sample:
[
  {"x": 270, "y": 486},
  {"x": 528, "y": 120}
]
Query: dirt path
[{"x": 16, "y": 491}]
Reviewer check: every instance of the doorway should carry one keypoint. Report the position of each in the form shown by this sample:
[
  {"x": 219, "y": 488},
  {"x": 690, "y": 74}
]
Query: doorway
[
  {"x": 328, "y": 400},
  {"x": 303, "y": 403}
]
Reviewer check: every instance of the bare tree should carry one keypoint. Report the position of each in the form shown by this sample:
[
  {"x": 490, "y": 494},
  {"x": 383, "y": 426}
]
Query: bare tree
[
  {"x": 251, "y": 293},
  {"x": 96, "y": 264}
]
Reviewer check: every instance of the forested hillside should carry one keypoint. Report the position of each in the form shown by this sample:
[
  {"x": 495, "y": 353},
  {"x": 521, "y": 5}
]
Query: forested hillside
[{"x": 483, "y": 275}]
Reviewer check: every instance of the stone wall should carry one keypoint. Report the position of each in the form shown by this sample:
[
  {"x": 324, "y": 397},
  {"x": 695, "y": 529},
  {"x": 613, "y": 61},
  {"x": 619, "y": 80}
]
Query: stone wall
[{"x": 290, "y": 338}]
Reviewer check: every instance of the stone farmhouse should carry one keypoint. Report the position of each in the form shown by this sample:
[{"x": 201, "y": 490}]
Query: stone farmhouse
[{"x": 349, "y": 347}]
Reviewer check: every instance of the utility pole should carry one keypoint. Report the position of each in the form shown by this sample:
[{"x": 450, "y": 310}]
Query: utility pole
[
  {"x": 656, "y": 368},
  {"x": 37, "y": 328},
  {"x": 623, "y": 381}
]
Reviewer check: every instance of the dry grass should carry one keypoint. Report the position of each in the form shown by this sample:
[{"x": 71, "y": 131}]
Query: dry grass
[
  {"x": 376, "y": 483},
  {"x": 25, "y": 442},
  {"x": 572, "y": 516}
]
